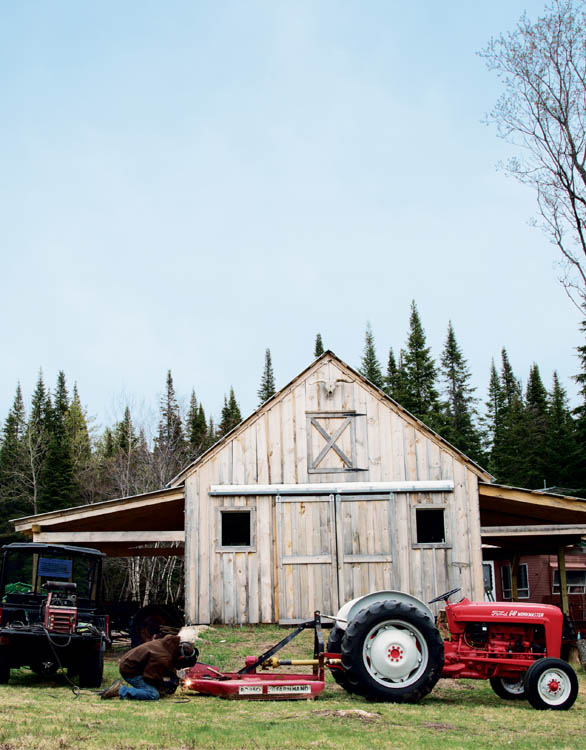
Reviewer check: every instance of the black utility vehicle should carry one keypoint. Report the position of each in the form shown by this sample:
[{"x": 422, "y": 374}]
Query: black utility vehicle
[{"x": 49, "y": 617}]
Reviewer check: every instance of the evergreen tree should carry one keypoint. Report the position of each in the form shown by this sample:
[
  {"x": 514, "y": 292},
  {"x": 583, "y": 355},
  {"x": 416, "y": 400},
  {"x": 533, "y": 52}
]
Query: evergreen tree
[
  {"x": 36, "y": 442},
  {"x": 58, "y": 487},
  {"x": 212, "y": 434},
  {"x": 534, "y": 445},
  {"x": 562, "y": 445},
  {"x": 267, "y": 383},
  {"x": 370, "y": 366},
  {"x": 230, "y": 415},
  {"x": 76, "y": 427},
  {"x": 13, "y": 467},
  {"x": 170, "y": 451},
  {"x": 420, "y": 395},
  {"x": 506, "y": 461},
  {"x": 196, "y": 428},
  {"x": 391, "y": 376},
  {"x": 124, "y": 439},
  {"x": 318, "y": 349},
  {"x": 77, "y": 433},
  {"x": 492, "y": 420},
  {"x": 459, "y": 410},
  {"x": 170, "y": 425}
]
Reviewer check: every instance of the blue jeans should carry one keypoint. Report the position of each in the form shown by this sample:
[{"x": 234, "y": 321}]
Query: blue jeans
[{"x": 140, "y": 690}]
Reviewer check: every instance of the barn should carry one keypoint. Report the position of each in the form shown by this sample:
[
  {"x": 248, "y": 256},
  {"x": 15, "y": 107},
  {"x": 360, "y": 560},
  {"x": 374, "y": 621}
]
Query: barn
[{"x": 328, "y": 491}]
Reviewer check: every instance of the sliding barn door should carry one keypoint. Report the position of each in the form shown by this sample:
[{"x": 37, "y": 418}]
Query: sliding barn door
[
  {"x": 365, "y": 544},
  {"x": 306, "y": 552}
]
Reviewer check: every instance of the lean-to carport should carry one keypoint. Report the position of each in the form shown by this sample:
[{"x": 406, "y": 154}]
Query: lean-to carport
[{"x": 145, "y": 525}]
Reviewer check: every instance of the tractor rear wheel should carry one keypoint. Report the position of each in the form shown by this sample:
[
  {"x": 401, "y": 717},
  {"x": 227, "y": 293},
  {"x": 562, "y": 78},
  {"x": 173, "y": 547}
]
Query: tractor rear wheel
[
  {"x": 392, "y": 651},
  {"x": 551, "y": 684},
  {"x": 335, "y": 647},
  {"x": 91, "y": 669},
  {"x": 510, "y": 690},
  {"x": 4, "y": 665}
]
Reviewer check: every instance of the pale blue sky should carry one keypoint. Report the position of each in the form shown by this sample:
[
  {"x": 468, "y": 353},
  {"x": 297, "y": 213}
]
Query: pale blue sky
[{"x": 184, "y": 184}]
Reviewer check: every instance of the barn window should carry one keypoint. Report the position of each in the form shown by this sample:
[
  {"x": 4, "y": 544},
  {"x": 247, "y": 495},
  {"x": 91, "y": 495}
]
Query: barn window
[
  {"x": 522, "y": 581},
  {"x": 236, "y": 529},
  {"x": 430, "y": 525}
]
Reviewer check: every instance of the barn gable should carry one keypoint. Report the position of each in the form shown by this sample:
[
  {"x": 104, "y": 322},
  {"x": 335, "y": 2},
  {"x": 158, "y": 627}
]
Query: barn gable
[
  {"x": 335, "y": 397},
  {"x": 332, "y": 477}
]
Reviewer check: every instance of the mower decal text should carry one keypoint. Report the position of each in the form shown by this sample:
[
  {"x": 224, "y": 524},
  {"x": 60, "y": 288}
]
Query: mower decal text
[
  {"x": 250, "y": 690},
  {"x": 282, "y": 689}
]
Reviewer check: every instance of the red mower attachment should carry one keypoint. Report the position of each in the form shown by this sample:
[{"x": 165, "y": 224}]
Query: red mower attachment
[{"x": 249, "y": 684}]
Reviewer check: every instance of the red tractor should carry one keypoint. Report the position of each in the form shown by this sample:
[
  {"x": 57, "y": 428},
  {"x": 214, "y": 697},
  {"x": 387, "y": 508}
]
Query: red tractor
[
  {"x": 391, "y": 649},
  {"x": 386, "y": 646}
]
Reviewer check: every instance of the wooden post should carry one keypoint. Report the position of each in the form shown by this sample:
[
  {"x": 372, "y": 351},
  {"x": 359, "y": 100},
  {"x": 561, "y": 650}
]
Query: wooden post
[
  {"x": 563, "y": 579},
  {"x": 514, "y": 574}
]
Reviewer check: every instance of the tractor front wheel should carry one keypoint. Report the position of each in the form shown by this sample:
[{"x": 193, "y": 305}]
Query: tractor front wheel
[
  {"x": 392, "y": 651},
  {"x": 551, "y": 684},
  {"x": 510, "y": 690}
]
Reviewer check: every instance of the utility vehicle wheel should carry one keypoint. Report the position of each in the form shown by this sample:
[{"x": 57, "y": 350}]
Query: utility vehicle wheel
[
  {"x": 91, "y": 669},
  {"x": 392, "y": 651},
  {"x": 335, "y": 646},
  {"x": 44, "y": 668},
  {"x": 510, "y": 690},
  {"x": 4, "y": 665},
  {"x": 551, "y": 683}
]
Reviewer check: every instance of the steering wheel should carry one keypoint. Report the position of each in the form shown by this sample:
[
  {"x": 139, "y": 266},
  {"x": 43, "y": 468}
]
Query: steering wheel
[{"x": 444, "y": 597}]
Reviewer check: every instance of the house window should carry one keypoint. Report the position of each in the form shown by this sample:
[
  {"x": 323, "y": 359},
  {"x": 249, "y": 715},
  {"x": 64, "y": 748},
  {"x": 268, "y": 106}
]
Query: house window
[
  {"x": 575, "y": 581},
  {"x": 430, "y": 525},
  {"x": 236, "y": 531},
  {"x": 522, "y": 581}
]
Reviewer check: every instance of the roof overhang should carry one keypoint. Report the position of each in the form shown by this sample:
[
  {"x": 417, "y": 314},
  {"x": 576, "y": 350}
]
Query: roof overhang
[
  {"x": 530, "y": 521},
  {"x": 150, "y": 524}
]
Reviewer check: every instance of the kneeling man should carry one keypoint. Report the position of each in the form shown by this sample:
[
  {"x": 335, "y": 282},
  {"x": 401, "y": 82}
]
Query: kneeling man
[{"x": 148, "y": 668}]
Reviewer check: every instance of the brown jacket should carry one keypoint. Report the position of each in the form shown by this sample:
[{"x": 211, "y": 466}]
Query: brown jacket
[{"x": 154, "y": 660}]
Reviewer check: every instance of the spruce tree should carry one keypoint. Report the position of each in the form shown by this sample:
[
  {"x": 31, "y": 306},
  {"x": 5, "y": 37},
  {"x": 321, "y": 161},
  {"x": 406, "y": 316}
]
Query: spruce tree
[
  {"x": 196, "y": 428},
  {"x": 561, "y": 436},
  {"x": 230, "y": 415},
  {"x": 170, "y": 447},
  {"x": 492, "y": 420},
  {"x": 318, "y": 349},
  {"x": 78, "y": 435},
  {"x": 535, "y": 444},
  {"x": 58, "y": 487},
  {"x": 391, "y": 376},
  {"x": 459, "y": 408},
  {"x": 370, "y": 366},
  {"x": 420, "y": 395},
  {"x": 267, "y": 383},
  {"x": 507, "y": 462},
  {"x": 13, "y": 467},
  {"x": 36, "y": 442},
  {"x": 212, "y": 434},
  {"x": 125, "y": 439}
]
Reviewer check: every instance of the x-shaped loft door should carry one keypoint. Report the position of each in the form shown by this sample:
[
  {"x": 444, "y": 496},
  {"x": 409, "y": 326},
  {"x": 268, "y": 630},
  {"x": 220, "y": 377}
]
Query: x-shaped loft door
[{"x": 331, "y": 444}]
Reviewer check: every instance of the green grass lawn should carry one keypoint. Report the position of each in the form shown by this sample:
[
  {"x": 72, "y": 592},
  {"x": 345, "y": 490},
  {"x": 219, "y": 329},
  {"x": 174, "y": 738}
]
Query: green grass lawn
[{"x": 45, "y": 715}]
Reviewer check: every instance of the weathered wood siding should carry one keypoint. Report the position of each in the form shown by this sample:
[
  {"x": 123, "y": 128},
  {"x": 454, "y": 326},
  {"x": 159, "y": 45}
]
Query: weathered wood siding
[{"x": 369, "y": 543}]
